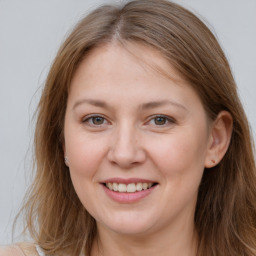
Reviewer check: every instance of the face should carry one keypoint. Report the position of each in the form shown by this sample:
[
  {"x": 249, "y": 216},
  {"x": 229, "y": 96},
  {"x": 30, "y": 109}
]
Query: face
[{"x": 136, "y": 141}]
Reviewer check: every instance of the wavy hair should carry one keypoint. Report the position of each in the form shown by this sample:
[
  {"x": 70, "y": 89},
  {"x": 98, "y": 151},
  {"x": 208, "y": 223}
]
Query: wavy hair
[{"x": 225, "y": 216}]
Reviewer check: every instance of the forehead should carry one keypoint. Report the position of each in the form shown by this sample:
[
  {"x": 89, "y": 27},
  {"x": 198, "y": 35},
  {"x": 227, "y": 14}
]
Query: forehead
[
  {"x": 128, "y": 58},
  {"x": 125, "y": 73},
  {"x": 143, "y": 57}
]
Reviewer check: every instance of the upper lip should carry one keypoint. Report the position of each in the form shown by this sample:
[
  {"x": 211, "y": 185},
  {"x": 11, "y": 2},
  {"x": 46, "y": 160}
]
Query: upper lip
[{"x": 128, "y": 181}]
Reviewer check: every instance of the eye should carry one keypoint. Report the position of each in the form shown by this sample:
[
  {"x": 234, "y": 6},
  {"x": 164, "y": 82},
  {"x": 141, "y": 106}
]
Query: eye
[
  {"x": 95, "y": 120},
  {"x": 161, "y": 120}
]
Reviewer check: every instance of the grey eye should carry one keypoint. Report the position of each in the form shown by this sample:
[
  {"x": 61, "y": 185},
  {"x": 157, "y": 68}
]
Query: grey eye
[{"x": 97, "y": 120}]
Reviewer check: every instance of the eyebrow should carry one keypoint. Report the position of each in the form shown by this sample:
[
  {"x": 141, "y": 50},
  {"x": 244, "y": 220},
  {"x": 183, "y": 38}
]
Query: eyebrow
[
  {"x": 155, "y": 104},
  {"x": 97, "y": 103},
  {"x": 144, "y": 106}
]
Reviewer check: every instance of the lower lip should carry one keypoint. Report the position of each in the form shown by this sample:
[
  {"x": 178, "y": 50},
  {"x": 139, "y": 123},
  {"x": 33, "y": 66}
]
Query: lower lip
[{"x": 127, "y": 197}]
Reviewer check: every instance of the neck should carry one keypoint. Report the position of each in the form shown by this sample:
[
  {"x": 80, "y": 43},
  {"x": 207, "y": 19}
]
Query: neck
[{"x": 169, "y": 241}]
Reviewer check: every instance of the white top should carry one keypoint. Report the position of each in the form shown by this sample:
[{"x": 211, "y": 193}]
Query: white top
[{"x": 39, "y": 251}]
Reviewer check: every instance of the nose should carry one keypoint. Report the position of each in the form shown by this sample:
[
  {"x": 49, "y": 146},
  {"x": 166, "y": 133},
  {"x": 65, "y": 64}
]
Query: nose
[{"x": 126, "y": 149}]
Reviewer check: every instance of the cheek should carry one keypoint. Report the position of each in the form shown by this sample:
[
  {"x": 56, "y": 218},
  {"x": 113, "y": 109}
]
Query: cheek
[
  {"x": 84, "y": 155},
  {"x": 180, "y": 154}
]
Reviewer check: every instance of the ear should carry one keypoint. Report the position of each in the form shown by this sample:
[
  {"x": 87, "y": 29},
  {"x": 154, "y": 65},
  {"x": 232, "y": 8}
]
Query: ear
[{"x": 219, "y": 138}]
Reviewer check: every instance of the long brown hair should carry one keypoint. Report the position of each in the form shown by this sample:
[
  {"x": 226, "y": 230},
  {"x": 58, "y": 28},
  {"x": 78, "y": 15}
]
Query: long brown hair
[{"x": 225, "y": 216}]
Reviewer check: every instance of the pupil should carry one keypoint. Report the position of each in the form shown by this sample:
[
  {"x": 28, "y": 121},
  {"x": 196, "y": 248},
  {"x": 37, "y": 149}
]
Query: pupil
[
  {"x": 98, "y": 120},
  {"x": 160, "y": 120}
]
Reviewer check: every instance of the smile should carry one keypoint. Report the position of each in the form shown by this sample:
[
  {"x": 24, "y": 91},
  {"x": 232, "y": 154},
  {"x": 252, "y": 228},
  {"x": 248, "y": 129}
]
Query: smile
[{"x": 129, "y": 188}]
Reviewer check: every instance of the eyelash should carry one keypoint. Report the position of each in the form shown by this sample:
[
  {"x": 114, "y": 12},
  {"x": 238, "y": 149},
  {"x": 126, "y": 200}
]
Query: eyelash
[
  {"x": 167, "y": 120},
  {"x": 91, "y": 117}
]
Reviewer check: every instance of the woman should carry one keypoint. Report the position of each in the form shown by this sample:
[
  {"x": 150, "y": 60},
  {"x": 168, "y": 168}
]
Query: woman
[{"x": 141, "y": 144}]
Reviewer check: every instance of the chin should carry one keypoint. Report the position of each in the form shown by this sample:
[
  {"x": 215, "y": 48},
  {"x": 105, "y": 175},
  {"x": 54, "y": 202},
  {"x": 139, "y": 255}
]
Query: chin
[
  {"x": 130, "y": 230},
  {"x": 128, "y": 224}
]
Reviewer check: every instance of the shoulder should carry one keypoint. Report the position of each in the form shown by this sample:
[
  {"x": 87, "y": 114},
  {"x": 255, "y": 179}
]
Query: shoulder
[
  {"x": 12, "y": 250},
  {"x": 21, "y": 249}
]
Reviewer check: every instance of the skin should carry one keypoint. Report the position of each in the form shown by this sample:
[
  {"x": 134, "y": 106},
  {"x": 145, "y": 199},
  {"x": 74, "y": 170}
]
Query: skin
[{"x": 127, "y": 141}]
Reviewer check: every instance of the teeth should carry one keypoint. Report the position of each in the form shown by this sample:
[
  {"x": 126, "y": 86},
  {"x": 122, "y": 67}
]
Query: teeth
[
  {"x": 110, "y": 186},
  {"x": 144, "y": 186},
  {"x": 115, "y": 186},
  {"x": 130, "y": 188},
  {"x": 122, "y": 187},
  {"x": 139, "y": 186}
]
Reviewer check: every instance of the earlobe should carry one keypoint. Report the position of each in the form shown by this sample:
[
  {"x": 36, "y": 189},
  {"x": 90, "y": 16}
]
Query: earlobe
[
  {"x": 220, "y": 136},
  {"x": 65, "y": 156},
  {"x": 66, "y": 160}
]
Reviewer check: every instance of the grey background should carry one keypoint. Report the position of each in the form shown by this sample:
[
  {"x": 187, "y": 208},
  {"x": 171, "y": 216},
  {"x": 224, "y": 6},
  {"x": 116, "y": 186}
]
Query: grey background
[{"x": 30, "y": 34}]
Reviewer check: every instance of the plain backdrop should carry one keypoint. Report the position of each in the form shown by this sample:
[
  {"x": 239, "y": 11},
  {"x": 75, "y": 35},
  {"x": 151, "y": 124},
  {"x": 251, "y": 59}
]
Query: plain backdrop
[{"x": 30, "y": 34}]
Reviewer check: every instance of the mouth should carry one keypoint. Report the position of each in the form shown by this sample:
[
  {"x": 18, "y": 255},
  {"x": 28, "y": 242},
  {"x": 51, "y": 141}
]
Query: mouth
[
  {"x": 130, "y": 190},
  {"x": 130, "y": 187}
]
